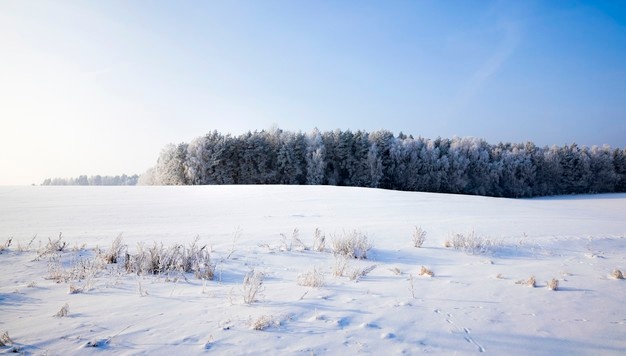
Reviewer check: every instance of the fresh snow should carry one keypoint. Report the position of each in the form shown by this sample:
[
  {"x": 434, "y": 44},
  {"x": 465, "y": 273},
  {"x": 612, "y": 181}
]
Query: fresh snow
[{"x": 472, "y": 304}]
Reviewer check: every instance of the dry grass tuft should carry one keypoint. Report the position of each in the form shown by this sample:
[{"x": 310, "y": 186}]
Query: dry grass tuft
[
  {"x": 530, "y": 282},
  {"x": 319, "y": 240},
  {"x": 472, "y": 243},
  {"x": 53, "y": 246},
  {"x": 5, "y": 340},
  {"x": 64, "y": 311},
  {"x": 263, "y": 322},
  {"x": 6, "y": 244},
  {"x": 553, "y": 284},
  {"x": 617, "y": 274},
  {"x": 313, "y": 278},
  {"x": 426, "y": 272},
  {"x": 112, "y": 255},
  {"x": 353, "y": 244},
  {"x": 419, "y": 236},
  {"x": 252, "y": 286},
  {"x": 396, "y": 271},
  {"x": 340, "y": 265}
]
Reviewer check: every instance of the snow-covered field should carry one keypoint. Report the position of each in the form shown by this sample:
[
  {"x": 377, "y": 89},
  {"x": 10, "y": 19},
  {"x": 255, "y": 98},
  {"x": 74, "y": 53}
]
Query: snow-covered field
[{"x": 472, "y": 303}]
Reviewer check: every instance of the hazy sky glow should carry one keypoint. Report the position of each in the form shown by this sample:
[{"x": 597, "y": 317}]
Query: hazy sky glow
[{"x": 99, "y": 87}]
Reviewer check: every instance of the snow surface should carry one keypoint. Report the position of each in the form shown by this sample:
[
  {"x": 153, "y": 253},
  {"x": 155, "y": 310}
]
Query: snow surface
[{"x": 472, "y": 304}]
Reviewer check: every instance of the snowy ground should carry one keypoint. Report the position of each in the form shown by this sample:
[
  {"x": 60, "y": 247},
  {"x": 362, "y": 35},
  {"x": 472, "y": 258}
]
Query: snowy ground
[{"x": 472, "y": 304}]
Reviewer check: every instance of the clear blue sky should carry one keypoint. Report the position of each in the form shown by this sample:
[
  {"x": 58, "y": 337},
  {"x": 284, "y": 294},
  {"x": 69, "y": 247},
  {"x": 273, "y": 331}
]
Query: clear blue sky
[{"x": 99, "y": 87}]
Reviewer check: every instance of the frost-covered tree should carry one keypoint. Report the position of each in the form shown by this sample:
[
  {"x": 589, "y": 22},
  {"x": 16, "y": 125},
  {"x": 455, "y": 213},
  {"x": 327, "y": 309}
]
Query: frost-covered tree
[
  {"x": 315, "y": 155},
  {"x": 170, "y": 169}
]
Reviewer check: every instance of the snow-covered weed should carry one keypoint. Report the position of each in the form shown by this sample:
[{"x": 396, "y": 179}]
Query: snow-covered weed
[
  {"x": 115, "y": 251},
  {"x": 617, "y": 274},
  {"x": 293, "y": 243},
  {"x": 472, "y": 243},
  {"x": 6, "y": 244},
  {"x": 64, "y": 311},
  {"x": 296, "y": 243},
  {"x": 263, "y": 322},
  {"x": 530, "y": 282},
  {"x": 319, "y": 240},
  {"x": 426, "y": 272},
  {"x": 5, "y": 340},
  {"x": 340, "y": 265},
  {"x": 353, "y": 244},
  {"x": 28, "y": 246},
  {"x": 396, "y": 271},
  {"x": 252, "y": 286},
  {"x": 312, "y": 278},
  {"x": 158, "y": 259},
  {"x": 419, "y": 236},
  {"x": 355, "y": 274},
  {"x": 553, "y": 284},
  {"x": 52, "y": 246},
  {"x": 236, "y": 236}
]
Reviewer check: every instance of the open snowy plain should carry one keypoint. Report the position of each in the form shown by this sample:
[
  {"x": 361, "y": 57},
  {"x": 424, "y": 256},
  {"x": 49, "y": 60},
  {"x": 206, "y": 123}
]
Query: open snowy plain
[{"x": 476, "y": 301}]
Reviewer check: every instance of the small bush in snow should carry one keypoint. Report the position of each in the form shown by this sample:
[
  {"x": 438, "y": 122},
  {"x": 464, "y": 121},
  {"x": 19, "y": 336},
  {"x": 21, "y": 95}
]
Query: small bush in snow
[
  {"x": 53, "y": 246},
  {"x": 64, "y": 311},
  {"x": 471, "y": 243},
  {"x": 419, "y": 236},
  {"x": 313, "y": 278},
  {"x": 252, "y": 286},
  {"x": 115, "y": 251},
  {"x": 5, "y": 340},
  {"x": 296, "y": 243},
  {"x": 6, "y": 244},
  {"x": 617, "y": 274},
  {"x": 530, "y": 282},
  {"x": 340, "y": 265},
  {"x": 553, "y": 284},
  {"x": 26, "y": 248},
  {"x": 356, "y": 273},
  {"x": 426, "y": 272},
  {"x": 353, "y": 244},
  {"x": 319, "y": 240},
  {"x": 263, "y": 322},
  {"x": 174, "y": 259}
]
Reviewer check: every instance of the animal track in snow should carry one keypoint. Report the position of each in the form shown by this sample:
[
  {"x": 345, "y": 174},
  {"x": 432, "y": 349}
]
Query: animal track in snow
[{"x": 461, "y": 330}]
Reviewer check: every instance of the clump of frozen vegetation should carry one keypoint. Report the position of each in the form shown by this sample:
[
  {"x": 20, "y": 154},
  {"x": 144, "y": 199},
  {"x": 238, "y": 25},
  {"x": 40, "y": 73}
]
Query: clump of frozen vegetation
[
  {"x": 252, "y": 286},
  {"x": 64, "y": 311},
  {"x": 312, "y": 278},
  {"x": 419, "y": 236},
  {"x": 5, "y": 340},
  {"x": 426, "y": 272},
  {"x": 6, "y": 244},
  {"x": 319, "y": 240},
  {"x": 617, "y": 274},
  {"x": 263, "y": 322},
  {"x": 353, "y": 244},
  {"x": 472, "y": 243},
  {"x": 52, "y": 246},
  {"x": 553, "y": 284},
  {"x": 294, "y": 243},
  {"x": 530, "y": 282},
  {"x": 159, "y": 259},
  {"x": 115, "y": 251}
]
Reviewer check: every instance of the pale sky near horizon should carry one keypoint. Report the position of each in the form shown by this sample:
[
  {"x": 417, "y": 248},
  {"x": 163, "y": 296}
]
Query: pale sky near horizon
[{"x": 99, "y": 87}]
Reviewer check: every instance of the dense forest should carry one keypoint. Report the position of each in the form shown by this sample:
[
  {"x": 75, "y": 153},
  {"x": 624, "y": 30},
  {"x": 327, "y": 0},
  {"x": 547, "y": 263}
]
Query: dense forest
[
  {"x": 382, "y": 160},
  {"x": 93, "y": 180}
]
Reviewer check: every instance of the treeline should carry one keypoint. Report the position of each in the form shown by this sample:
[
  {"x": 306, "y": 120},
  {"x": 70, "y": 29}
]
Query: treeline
[
  {"x": 382, "y": 160},
  {"x": 94, "y": 180}
]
